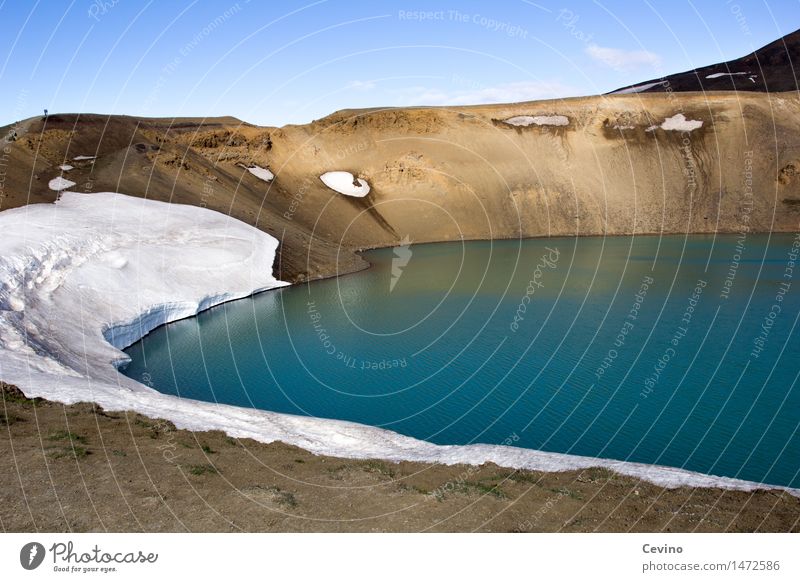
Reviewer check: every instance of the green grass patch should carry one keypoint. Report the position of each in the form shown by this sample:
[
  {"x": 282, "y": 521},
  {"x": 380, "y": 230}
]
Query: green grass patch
[
  {"x": 19, "y": 399},
  {"x": 285, "y": 498},
  {"x": 595, "y": 475},
  {"x": 564, "y": 492},
  {"x": 467, "y": 488},
  {"x": 515, "y": 477},
  {"x": 378, "y": 467},
  {"x": 523, "y": 477},
  {"x": 65, "y": 435},
  {"x": 480, "y": 489},
  {"x": 10, "y": 418},
  {"x": 270, "y": 494},
  {"x": 98, "y": 410},
  {"x": 155, "y": 428},
  {"x": 70, "y": 452},
  {"x": 204, "y": 469},
  {"x": 412, "y": 488}
]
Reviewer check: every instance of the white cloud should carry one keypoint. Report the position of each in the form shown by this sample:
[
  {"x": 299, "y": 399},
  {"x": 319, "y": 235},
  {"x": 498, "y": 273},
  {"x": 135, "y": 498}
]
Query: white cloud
[
  {"x": 622, "y": 60},
  {"x": 504, "y": 93}
]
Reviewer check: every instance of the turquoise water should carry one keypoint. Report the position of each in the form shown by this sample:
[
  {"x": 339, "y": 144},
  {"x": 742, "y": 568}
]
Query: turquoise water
[{"x": 679, "y": 351}]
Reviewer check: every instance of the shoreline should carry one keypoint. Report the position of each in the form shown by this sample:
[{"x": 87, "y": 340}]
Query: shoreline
[{"x": 660, "y": 475}]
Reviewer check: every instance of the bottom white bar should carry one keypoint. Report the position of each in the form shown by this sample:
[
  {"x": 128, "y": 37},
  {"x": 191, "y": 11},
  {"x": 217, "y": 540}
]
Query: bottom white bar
[{"x": 388, "y": 557}]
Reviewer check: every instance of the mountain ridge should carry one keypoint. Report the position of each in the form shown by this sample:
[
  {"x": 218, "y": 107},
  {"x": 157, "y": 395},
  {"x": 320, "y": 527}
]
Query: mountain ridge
[{"x": 773, "y": 68}]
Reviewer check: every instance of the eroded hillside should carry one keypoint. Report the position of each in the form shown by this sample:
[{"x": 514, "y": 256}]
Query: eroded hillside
[{"x": 622, "y": 164}]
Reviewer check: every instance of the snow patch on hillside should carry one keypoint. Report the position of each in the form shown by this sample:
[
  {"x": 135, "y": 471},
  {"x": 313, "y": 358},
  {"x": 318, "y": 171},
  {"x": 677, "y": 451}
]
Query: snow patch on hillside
[
  {"x": 636, "y": 89},
  {"x": 345, "y": 183},
  {"x": 718, "y": 75},
  {"x": 527, "y": 120},
  {"x": 60, "y": 183},
  {"x": 679, "y": 122},
  {"x": 261, "y": 173}
]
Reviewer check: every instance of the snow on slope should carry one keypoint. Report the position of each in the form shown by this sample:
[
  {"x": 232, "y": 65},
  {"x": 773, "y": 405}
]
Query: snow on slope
[
  {"x": 679, "y": 122},
  {"x": 718, "y": 75},
  {"x": 94, "y": 272},
  {"x": 635, "y": 89},
  {"x": 261, "y": 173},
  {"x": 526, "y": 120},
  {"x": 60, "y": 183},
  {"x": 345, "y": 183}
]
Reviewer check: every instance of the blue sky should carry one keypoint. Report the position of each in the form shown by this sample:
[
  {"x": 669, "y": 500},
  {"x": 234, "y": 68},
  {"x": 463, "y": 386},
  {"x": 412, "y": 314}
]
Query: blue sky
[{"x": 276, "y": 62}]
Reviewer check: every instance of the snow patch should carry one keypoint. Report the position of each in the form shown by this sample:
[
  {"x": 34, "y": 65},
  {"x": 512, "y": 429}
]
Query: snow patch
[
  {"x": 652, "y": 128},
  {"x": 261, "y": 173},
  {"x": 345, "y": 183},
  {"x": 636, "y": 89},
  {"x": 718, "y": 75},
  {"x": 81, "y": 158},
  {"x": 527, "y": 120},
  {"x": 65, "y": 168},
  {"x": 59, "y": 184},
  {"x": 98, "y": 268},
  {"x": 680, "y": 123}
]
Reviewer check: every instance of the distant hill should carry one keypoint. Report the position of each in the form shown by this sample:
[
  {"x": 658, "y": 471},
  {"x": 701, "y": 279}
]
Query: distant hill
[{"x": 772, "y": 68}]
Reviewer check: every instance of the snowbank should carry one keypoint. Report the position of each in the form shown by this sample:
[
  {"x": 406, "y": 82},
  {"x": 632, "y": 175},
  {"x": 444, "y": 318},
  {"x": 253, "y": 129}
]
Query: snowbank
[
  {"x": 345, "y": 183},
  {"x": 92, "y": 273},
  {"x": 526, "y": 120},
  {"x": 98, "y": 268},
  {"x": 60, "y": 183},
  {"x": 680, "y": 123},
  {"x": 261, "y": 173}
]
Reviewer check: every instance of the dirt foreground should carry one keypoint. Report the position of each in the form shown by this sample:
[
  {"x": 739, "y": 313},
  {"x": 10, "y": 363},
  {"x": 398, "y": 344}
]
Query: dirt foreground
[{"x": 78, "y": 468}]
